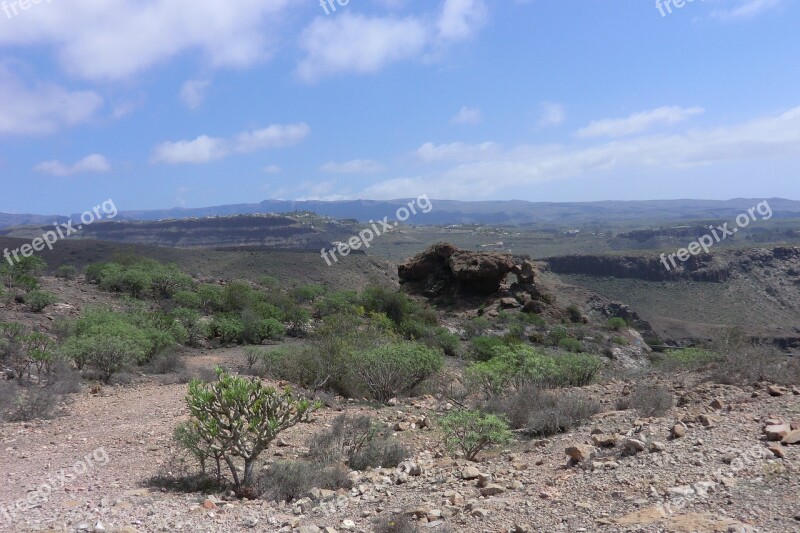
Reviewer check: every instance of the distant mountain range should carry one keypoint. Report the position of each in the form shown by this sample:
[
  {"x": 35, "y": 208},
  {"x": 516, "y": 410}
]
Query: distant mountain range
[{"x": 513, "y": 212}]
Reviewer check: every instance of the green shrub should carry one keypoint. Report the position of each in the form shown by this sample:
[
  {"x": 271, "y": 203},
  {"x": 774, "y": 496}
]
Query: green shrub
[
  {"x": 307, "y": 293},
  {"x": 476, "y": 326},
  {"x": 471, "y": 432},
  {"x": 448, "y": 342},
  {"x": 196, "y": 329},
  {"x": 570, "y": 345},
  {"x": 237, "y": 295},
  {"x": 297, "y": 320},
  {"x": 338, "y": 302},
  {"x": 575, "y": 313},
  {"x": 228, "y": 327},
  {"x": 688, "y": 359},
  {"x": 256, "y": 329},
  {"x": 484, "y": 347},
  {"x": 557, "y": 334},
  {"x": 111, "y": 341},
  {"x": 67, "y": 272},
  {"x": 270, "y": 282},
  {"x": 394, "y": 369},
  {"x": 621, "y": 341},
  {"x": 210, "y": 297},
  {"x": 617, "y": 323},
  {"x": 187, "y": 299},
  {"x": 107, "y": 354},
  {"x": 520, "y": 365},
  {"x": 241, "y": 418},
  {"x": 37, "y": 300}
]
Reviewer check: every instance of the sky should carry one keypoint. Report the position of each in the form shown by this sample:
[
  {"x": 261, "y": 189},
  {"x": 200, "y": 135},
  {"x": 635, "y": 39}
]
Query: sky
[{"x": 190, "y": 103}]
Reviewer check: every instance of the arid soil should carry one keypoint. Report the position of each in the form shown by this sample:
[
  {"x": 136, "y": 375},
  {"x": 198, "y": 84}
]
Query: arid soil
[{"x": 720, "y": 476}]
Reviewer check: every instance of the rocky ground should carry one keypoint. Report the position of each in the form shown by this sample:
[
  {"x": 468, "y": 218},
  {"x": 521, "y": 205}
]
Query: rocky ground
[{"x": 714, "y": 463}]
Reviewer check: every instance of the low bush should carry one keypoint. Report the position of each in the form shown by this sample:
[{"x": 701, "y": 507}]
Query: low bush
[
  {"x": 393, "y": 369},
  {"x": 37, "y": 300},
  {"x": 616, "y": 323},
  {"x": 394, "y": 523},
  {"x": 167, "y": 363},
  {"x": 648, "y": 401},
  {"x": 520, "y": 365},
  {"x": 67, "y": 272},
  {"x": 751, "y": 364},
  {"x": 476, "y": 326},
  {"x": 687, "y": 359},
  {"x": 358, "y": 442},
  {"x": 537, "y": 412},
  {"x": 23, "y": 404},
  {"x": 471, "y": 432},
  {"x": 291, "y": 480},
  {"x": 570, "y": 345},
  {"x": 484, "y": 347}
]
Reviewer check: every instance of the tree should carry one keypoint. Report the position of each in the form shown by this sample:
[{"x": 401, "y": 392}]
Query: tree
[
  {"x": 239, "y": 418},
  {"x": 471, "y": 432}
]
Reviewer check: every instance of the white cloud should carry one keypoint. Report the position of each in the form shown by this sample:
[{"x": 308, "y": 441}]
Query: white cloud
[
  {"x": 356, "y": 166},
  {"x": 94, "y": 163},
  {"x": 456, "y": 151},
  {"x": 272, "y": 169},
  {"x": 275, "y": 136},
  {"x": 460, "y": 19},
  {"x": 43, "y": 108},
  {"x": 552, "y": 114},
  {"x": 353, "y": 43},
  {"x": 746, "y": 9},
  {"x": 193, "y": 92},
  {"x": 205, "y": 149},
  {"x": 115, "y": 39},
  {"x": 638, "y": 122},
  {"x": 503, "y": 172},
  {"x": 467, "y": 115}
]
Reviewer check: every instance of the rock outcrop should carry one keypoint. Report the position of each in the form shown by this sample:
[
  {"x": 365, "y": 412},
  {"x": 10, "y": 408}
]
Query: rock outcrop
[{"x": 445, "y": 269}]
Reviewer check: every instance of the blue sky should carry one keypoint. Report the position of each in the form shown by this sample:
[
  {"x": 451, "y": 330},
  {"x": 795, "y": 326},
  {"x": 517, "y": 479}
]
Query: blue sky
[{"x": 164, "y": 103}]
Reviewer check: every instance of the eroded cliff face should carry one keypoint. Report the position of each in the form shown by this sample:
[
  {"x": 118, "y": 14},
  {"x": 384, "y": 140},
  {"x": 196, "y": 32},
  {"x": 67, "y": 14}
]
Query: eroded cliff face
[{"x": 714, "y": 268}]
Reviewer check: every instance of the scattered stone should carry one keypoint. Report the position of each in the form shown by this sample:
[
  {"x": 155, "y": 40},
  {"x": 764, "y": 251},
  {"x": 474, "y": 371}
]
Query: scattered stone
[
  {"x": 717, "y": 404},
  {"x": 492, "y": 489},
  {"x": 657, "y": 446},
  {"x": 792, "y": 438},
  {"x": 775, "y": 390},
  {"x": 479, "y": 513},
  {"x": 777, "y": 432},
  {"x": 633, "y": 446},
  {"x": 778, "y": 451},
  {"x": 678, "y": 431},
  {"x": 605, "y": 440},
  {"x": 471, "y": 472},
  {"x": 580, "y": 452}
]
